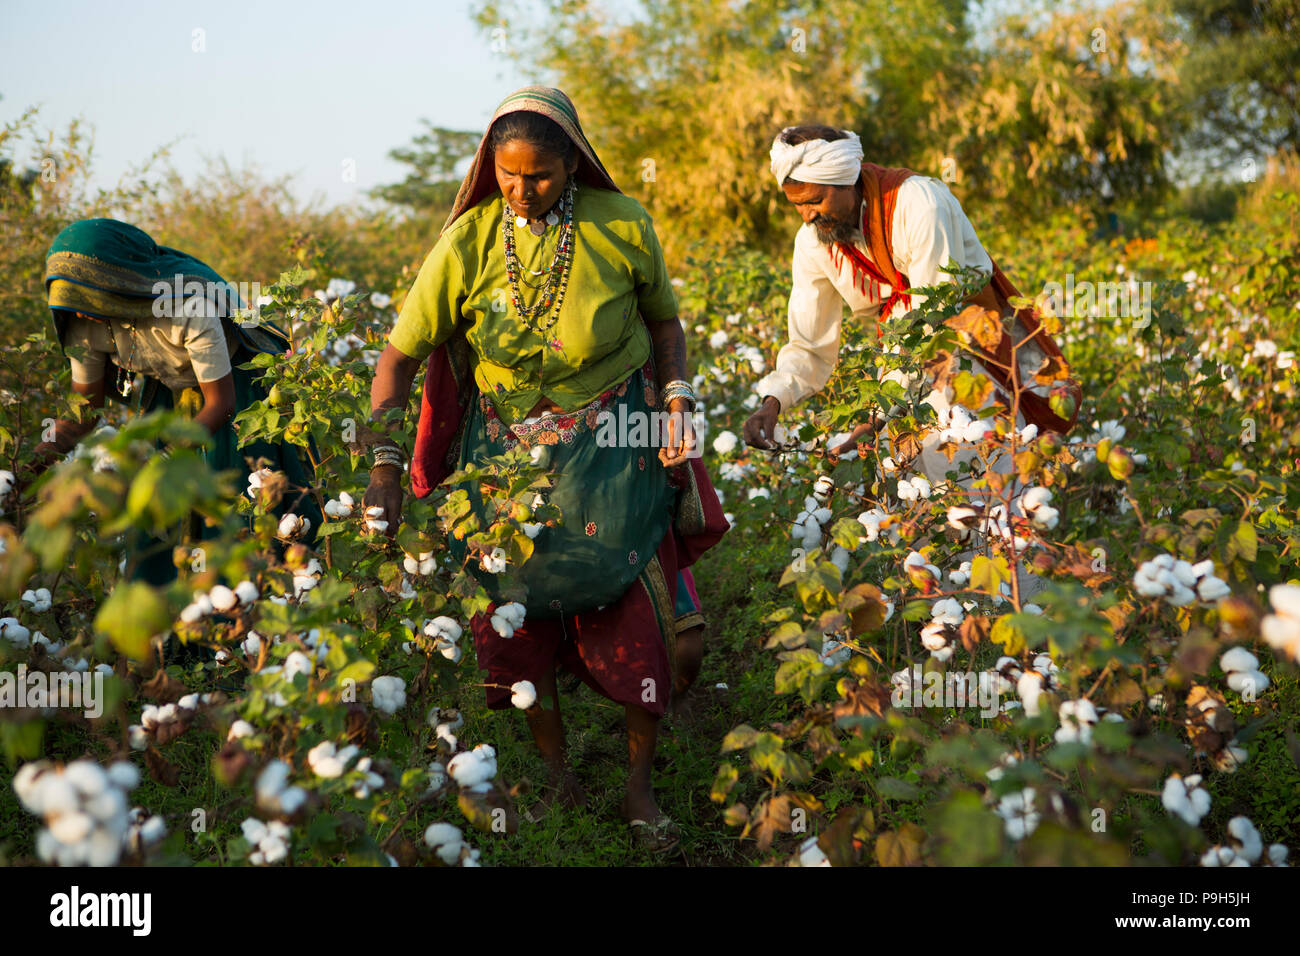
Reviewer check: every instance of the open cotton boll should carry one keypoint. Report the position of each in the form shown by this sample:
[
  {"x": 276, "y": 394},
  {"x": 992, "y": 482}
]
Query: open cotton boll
[
  {"x": 1029, "y": 688},
  {"x": 470, "y": 769},
  {"x": 223, "y": 599},
  {"x": 1238, "y": 659},
  {"x": 247, "y": 592},
  {"x": 240, "y": 728},
  {"x": 523, "y": 694},
  {"x": 297, "y": 663},
  {"x": 324, "y": 761},
  {"x": 388, "y": 693},
  {"x": 1248, "y": 683},
  {"x": 14, "y": 633},
  {"x": 725, "y": 443},
  {"x": 39, "y": 599}
]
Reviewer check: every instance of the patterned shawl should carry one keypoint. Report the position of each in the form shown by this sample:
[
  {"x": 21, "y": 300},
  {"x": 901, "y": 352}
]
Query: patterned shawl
[{"x": 109, "y": 269}]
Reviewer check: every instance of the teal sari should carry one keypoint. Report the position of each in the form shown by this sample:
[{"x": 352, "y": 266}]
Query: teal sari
[{"x": 614, "y": 498}]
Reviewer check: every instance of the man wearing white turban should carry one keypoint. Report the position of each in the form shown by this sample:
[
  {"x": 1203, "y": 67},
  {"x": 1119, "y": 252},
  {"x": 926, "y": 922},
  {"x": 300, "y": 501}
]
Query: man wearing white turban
[{"x": 869, "y": 234}]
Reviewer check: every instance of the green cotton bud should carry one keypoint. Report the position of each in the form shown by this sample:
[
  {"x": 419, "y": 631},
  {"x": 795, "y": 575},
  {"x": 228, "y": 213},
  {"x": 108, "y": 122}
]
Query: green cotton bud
[{"x": 1062, "y": 403}]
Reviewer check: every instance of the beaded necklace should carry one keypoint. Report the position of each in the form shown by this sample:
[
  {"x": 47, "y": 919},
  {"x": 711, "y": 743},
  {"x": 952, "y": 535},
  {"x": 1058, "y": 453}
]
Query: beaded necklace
[{"x": 541, "y": 318}]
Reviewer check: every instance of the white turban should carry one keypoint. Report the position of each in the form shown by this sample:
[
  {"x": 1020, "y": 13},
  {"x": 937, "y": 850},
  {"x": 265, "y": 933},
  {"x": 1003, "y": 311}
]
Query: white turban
[{"x": 836, "y": 162}]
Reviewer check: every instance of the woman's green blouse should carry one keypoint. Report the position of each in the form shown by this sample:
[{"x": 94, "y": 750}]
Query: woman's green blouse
[{"x": 599, "y": 338}]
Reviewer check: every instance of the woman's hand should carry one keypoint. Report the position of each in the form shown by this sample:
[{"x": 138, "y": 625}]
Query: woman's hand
[
  {"x": 385, "y": 491},
  {"x": 680, "y": 440}
]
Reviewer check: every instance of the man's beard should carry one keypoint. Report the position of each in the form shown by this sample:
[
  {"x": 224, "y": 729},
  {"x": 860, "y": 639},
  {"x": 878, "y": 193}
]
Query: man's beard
[{"x": 831, "y": 230}]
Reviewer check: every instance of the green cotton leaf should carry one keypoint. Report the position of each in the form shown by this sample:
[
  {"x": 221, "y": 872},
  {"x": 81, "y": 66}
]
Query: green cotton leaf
[
  {"x": 769, "y": 753},
  {"x": 167, "y": 488},
  {"x": 739, "y": 738},
  {"x": 358, "y": 671},
  {"x": 846, "y": 533},
  {"x": 724, "y": 782},
  {"x": 1111, "y": 735},
  {"x": 801, "y": 671},
  {"x": 1245, "y": 542},
  {"x": 970, "y": 834},
  {"x": 21, "y": 741},
  {"x": 892, "y": 788},
  {"x": 133, "y": 614}
]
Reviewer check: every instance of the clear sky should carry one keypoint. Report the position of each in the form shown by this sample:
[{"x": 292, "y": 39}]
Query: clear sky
[{"x": 292, "y": 87}]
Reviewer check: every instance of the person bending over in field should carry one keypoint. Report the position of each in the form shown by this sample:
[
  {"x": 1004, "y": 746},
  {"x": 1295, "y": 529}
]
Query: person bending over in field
[
  {"x": 869, "y": 234},
  {"x": 113, "y": 295}
]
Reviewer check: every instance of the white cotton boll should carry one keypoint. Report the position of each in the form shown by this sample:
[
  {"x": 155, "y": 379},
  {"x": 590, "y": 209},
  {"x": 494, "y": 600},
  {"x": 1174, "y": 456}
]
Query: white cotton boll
[
  {"x": 14, "y": 633},
  {"x": 137, "y": 737},
  {"x": 255, "y": 480},
  {"x": 1248, "y": 683},
  {"x": 810, "y": 854},
  {"x": 1277, "y": 854},
  {"x": 840, "y": 558},
  {"x": 977, "y": 430},
  {"x": 523, "y": 694},
  {"x": 271, "y": 781},
  {"x": 1028, "y": 434},
  {"x": 109, "y": 806},
  {"x": 1046, "y": 517},
  {"x": 124, "y": 775},
  {"x": 1034, "y": 498},
  {"x": 437, "y": 775},
  {"x": 87, "y": 776},
  {"x": 1245, "y": 833},
  {"x": 1181, "y": 596},
  {"x": 388, "y": 693},
  {"x": 252, "y": 645},
  {"x": 56, "y": 794},
  {"x": 1028, "y": 689},
  {"x": 759, "y": 493},
  {"x": 469, "y": 769},
  {"x": 223, "y": 599},
  {"x": 530, "y": 528},
  {"x": 102, "y": 848},
  {"x": 297, "y": 663},
  {"x": 1238, "y": 659},
  {"x": 291, "y": 799},
  {"x": 38, "y": 599},
  {"x": 153, "y": 830},
  {"x": 1212, "y": 589},
  {"x": 494, "y": 563},
  {"x": 1184, "y": 573},
  {"x": 725, "y": 443},
  {"x": 947, "y": 611},
  {"x": 324, "y": 761},
  {"x": 240, "y": 728}
]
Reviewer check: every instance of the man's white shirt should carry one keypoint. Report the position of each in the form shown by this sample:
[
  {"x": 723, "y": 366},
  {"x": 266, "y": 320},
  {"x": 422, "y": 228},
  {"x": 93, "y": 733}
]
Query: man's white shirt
[{"x": 929, "y": 229}]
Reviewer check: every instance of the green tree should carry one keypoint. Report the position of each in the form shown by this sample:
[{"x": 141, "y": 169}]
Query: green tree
[{"x": 1241, "y": 76}]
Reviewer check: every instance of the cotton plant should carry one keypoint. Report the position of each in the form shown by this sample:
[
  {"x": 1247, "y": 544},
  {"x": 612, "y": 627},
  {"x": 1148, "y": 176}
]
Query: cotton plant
[
  {"x": 1185, "y": 798},
  {"x": 448, "y": 844},
  {"x": 508, "y": 618},
  {"x": 1245, "y": 847},
  {"x": 1280, "y": 629},
  {"x": 939, "y": 637},
  {"x": 1179, "y": 582},
  {"x": 1243, "y": 673},
  {"x": 84, "y": 807},
  {"x": 388, "y": 694}
]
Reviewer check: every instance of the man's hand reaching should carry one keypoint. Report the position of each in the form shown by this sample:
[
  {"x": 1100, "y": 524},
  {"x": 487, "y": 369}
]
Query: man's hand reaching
[{"x": 760, "y": 428}]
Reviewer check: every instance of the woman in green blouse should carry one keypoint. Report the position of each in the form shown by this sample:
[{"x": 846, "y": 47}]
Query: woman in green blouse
[{"x": 556, "y": 283}]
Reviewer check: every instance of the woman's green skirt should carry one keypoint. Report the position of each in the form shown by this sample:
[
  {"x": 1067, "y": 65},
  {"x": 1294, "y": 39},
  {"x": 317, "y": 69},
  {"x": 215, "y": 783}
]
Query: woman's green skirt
[{"x": 611, "y": 489}]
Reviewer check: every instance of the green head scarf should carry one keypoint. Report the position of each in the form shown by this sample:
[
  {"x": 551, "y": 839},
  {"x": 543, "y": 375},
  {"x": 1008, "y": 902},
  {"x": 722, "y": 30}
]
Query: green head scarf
[{"x": 113, "y": 270}]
